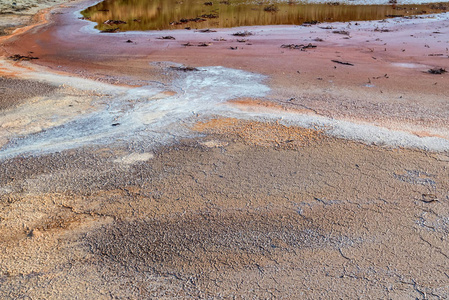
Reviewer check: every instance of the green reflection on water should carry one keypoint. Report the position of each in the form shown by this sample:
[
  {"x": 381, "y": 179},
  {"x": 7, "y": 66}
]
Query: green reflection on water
[{"x": 173, "y": 14}]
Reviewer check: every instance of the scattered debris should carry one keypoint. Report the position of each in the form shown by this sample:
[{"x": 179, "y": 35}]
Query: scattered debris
[
  {"x": 233, "y": 48},
  {"x": 110, "y": 30},
  {"x": 326, "y": 27},
  {"x": 342, "y": 62},
  {"x": 18, "y": 57},
  {"x": 308, "y": 46},
  {"x": 183, "y": 69},
  {"x": 378, "y": 77},
  {"x": 310, "y": 23},
  {"x": 318, "y": 39},
  {"x": 206, "y": 30},
  {"x": 242, "y": 41},
  {"x": 84, "y": 18},
  {"x": 209, "y": 16},
  {"x": 271, "y": 8},
  {"x": 436, "y": 54},
  {"x": 114, "y": 22},
  {"x": 203, "y": 44},
  {"x": 243, "y": 33},
  {"x": 225, "y": 2},
  {"x": 167, "y": 37},
  {"x": 193, "y": 20},
  {"x": 394, "y": 16},
  {"x": 341, "y": 32},
  {"x": 300, "y": 47},
  {"x": 377, "y": 29},
  {"x": 291, "y": 46},
  {"x": 220, "y": 40},
  {"x": 437, "y": 71},
  {"x": 183, "y": 21}
]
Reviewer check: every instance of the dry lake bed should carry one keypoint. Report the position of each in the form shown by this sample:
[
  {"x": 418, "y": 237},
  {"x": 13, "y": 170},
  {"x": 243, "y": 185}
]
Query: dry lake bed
[{"x": 224, "y": 150}]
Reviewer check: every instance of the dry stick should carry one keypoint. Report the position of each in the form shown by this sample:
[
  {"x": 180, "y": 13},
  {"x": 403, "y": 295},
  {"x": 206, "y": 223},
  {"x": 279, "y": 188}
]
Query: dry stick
[{"x": 342, "y": 63}]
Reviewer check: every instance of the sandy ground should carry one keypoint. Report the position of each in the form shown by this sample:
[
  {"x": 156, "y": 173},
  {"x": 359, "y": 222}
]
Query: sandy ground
[{"x": 125, "y": 176}]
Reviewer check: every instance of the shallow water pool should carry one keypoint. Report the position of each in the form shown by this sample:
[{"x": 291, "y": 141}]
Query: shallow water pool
[{"x": 137, "y": 15}]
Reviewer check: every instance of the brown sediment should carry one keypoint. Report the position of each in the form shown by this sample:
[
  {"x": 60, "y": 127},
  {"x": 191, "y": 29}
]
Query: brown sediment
[
  {"x": 427, "y": 134},
  {"x": 261, "y": 134},
  {"x": 169, "y": 93},
  {"x": 251, "y": 102}
]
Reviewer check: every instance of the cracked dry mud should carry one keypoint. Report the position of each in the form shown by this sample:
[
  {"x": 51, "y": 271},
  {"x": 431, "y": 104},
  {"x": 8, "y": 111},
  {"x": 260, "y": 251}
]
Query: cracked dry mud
[
  {"x": 236, "y": 209},
  {"x": 15, "y": 91},
  {"x": 224, "y": 216}
]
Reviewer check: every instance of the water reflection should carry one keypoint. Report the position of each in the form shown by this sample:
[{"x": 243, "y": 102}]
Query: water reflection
[{"x": 196, "y": 14}]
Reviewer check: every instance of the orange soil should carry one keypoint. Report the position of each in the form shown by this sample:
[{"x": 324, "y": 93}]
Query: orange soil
[{"x": 261, "y": 134}]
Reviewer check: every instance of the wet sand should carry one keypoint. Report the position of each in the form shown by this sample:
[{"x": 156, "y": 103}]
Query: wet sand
[{"x": 124, "y": 178}]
